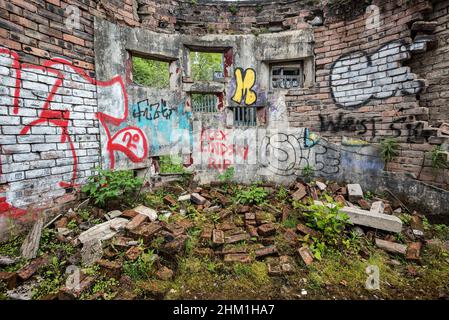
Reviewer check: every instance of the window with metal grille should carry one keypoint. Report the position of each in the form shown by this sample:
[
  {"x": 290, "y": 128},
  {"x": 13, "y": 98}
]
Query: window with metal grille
[
  {"x": 287, "y": 76},
  {"x": 204, "y": 102},
  {"x": 245, "y": 116}
]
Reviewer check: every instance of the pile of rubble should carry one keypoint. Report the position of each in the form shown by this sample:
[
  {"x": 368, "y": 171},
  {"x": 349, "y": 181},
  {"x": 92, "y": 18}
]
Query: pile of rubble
[{"x": 234, "y": 232}]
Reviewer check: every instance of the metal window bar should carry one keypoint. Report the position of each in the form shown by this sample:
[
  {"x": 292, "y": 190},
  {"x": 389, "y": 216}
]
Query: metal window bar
[
  {"x": 245, "y": 116},
  {"x": 205, "y": 103}
]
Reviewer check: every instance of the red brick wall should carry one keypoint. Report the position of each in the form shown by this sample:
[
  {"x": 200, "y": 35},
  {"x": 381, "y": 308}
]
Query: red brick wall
[{"x": 339, "y": 37}]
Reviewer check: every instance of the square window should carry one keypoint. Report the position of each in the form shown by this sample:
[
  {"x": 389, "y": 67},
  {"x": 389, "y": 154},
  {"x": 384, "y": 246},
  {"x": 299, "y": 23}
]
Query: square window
[
  {"x": 150, "y": 72},
  {"x": 206, "y": 66},
  {"x": 287, "y": 76}
]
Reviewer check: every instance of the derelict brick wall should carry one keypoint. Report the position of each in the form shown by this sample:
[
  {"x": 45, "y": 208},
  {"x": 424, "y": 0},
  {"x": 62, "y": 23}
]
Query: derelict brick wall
[
  {"x": 49, "y": 132},
  {"x": 201, "y": 17},
  {"x": 401, "y": 116}
]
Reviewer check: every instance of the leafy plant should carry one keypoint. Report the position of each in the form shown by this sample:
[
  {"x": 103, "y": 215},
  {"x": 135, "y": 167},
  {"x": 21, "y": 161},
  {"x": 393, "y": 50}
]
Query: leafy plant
[
  {"x": 389, "y": 148},
  {"x": 307, "y": 172},
  {"x": 282, "y": 194},
  {"x": 233, "y": 9},
  {"x": 252, "y": 195},
  {"x": 438, "y": 158},
  {"x": 227, "y": 175},
  {"x": 110, "y": 185},
  {"x": 330, "y": 222},
  {"x": 53, "y": 278},
  {"x": 142, "y": 267}
]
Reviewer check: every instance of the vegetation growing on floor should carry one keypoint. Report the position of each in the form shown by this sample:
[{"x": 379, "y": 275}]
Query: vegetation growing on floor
[
  {"x": 108, "y": 185},
  {"x": 198, "y": 270}
]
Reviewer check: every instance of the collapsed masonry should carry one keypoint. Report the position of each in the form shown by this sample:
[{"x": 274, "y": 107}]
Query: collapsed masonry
[{"x": 300, "y": 86}]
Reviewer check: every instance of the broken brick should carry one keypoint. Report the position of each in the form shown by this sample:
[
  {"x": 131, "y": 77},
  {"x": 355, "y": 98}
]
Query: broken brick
[
  {"x": 136, "y": 221},
  {"x": 129, "y": 214},
  {"x": 133, "y": 253},
  {"x": 266, "y": 230},
  {"x": 62, "y": 223},
  {"x": 206, "y": 233},
  {"x": 170, "y": 201},
  {"x": 164, "y": 273},
  {"x": 175, "y": 246},
  {"x": 74, "y": 293},
  {"x": 392, "y": 247},
  {"x": 197, "y": 198},
  {"x": 300, "y": 193},
  {"x": 174, "y": 228},
  {"x": 9, "y": 278},
  {"x": 365, "y": 205},
  {"x": 414, "y": 250},
  {"x": 306, "y": 255},
  {"x": 266, "y": 251},
  {"x": 237, "y": 257},
  {"x": 290, "y": 236},
  {"x": 218, "y": 236},
  {"x": 111, "y": 269},
  {"x": 29, "y": 270},
  {"x": 146, "y": 231},
  {"x": 237, "y": 237},
  {"x": 250, "y": 216},
  {"x": 306, "y": 230},
  {"x": 252, "y": 231}
]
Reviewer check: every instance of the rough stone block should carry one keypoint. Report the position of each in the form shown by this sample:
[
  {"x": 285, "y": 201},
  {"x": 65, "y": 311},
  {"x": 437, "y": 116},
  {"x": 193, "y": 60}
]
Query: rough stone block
[
  {"x": 373, "y": 220},
  {"x": 354, "y": 192}
]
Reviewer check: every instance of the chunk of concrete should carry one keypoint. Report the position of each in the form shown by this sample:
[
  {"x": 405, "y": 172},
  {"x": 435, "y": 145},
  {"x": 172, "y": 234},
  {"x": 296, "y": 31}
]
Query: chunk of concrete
[
  {"x": 373, "y": 220},
  {"x": 185, "y": 197},
  {"x": 355, "y": 192},
  {"x": 320, "y": 185},
  {"x": 103, "y": 231},
  {"x": 197, "y": 198},
  {"x": 377, "y": 207}
]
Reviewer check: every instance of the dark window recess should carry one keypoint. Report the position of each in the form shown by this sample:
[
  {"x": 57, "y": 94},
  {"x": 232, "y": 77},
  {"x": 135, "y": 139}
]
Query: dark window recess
[
  {"x": 204, "y": 102},
  {"x": 245, "y": 116},
  {"x": 287, "y": 76}
]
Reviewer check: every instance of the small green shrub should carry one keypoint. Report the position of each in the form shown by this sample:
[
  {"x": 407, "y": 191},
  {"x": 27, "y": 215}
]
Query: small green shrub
[
  {"x": 233, "y": 9},
  {"x": 307, "y": 173},
  {"x": 389, "y": 148},
  {"x": 110, "y": 185},
  {"x": 142, "y": 267},
  {"x": 227, "y": 175},
  {"x": 252, "y": 195},
  {"x": 282, "y": 194}
]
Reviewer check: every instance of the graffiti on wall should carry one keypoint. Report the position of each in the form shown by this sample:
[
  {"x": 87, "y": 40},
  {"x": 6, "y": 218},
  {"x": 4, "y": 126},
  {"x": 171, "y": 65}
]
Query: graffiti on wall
[
  {"x": 245, "y": 81},
  {"x": 57, "y": 90},
  {"x": 414, "y": 131},
  {"x": 221, "y": 149},
  {"x": 168, "y": 128},
  {"x": 357, "y": 77},
  {"x": 286, "y": 153}
]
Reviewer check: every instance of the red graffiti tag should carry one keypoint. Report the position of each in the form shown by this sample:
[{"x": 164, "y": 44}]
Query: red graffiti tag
[
  {"x": 9, "y": 211},
  {"x": 135, "y": 148},
  {"x": 214, "y": 142}
]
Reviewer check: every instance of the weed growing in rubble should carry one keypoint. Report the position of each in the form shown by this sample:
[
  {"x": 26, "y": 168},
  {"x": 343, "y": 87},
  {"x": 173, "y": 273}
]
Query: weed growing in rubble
[
  {"x": 252, "y": 195},
  {"x": 438, "y": 157},
  {"x": 53, "y": 278},
  {"x": 110, "y": 185},
  {"x": 282, "y": 194},
  {"x": 330, "y": 222},
  {"x": 307, "y": 173},
  {"x": 227, "y": 175},
  {"x": 142, "y": 267},
  {"x": 389, "y": 148}
]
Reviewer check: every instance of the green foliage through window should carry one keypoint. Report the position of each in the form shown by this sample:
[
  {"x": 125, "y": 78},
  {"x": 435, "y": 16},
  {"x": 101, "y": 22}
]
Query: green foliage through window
[
  {"x": 203, "y": 65},
  {"x": 151, "y": 73}
]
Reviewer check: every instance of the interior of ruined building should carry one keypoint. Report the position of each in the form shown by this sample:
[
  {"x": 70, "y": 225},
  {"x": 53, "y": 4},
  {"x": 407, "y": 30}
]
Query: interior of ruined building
[{"x": 328, "y": 86}]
